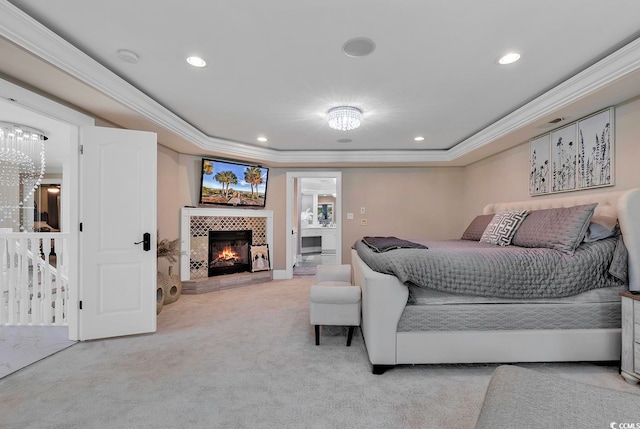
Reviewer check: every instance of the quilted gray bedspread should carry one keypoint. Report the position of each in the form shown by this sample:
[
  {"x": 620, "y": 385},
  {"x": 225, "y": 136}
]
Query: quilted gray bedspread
[{"x": 470, "y": 267}]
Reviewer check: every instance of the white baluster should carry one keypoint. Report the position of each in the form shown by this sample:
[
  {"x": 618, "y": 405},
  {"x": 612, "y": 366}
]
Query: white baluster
[
  {"x": 4, "y": 281},
  {"x": 47, "y": 295},
  {"x": 23, "y": 285},
  {"x": 36, "y": 283},
  {"x": 13, "y": 281},
  {"x": 60, "y": 287},
  {"x": 63, "y": 273}
]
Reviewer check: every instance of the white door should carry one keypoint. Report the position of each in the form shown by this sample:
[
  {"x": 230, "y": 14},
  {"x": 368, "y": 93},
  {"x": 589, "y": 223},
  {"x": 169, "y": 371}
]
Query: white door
[{"x": 118, "y": 180}]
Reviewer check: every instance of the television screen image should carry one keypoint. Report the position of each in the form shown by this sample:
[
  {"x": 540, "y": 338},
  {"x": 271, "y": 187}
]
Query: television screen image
[{"x": 233, "y": 184}]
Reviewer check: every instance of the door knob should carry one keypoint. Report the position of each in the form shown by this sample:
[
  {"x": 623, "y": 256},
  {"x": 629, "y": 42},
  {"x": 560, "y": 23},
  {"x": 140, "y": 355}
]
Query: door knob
[{"x": 146, "y": 241}]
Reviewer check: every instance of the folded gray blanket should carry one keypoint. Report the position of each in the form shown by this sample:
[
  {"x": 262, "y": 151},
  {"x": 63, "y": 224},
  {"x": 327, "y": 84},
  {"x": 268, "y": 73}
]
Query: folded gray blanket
[{"x": 384, "y": 244}]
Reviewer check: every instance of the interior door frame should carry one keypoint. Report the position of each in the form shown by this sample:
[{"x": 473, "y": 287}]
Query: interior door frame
[
  {"x": 43, "y": 106},
  {"x": 337, "y": 212}
]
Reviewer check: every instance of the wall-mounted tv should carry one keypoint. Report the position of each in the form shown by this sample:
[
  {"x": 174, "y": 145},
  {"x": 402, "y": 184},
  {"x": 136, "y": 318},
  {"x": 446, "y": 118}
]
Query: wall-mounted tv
[{"x": 233, "y": 184}]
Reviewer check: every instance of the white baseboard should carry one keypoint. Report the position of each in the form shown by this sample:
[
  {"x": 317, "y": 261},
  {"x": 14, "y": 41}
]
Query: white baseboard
[{"x": 280, "y": 275}]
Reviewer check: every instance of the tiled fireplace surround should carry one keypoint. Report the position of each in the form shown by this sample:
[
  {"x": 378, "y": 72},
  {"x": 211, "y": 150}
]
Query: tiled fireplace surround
[{"x": 196, "y": 223}]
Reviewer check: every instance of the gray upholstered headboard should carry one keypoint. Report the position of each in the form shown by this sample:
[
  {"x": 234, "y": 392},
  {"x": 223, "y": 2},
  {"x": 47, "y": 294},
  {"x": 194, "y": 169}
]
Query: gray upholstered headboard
[{"x": 625, "y": 205}]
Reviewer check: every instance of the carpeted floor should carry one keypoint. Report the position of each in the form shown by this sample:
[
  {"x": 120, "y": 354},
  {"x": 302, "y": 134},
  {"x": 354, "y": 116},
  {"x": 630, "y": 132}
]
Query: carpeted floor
[
  {"x": 21, "y": 346},
  {"x": 245, "y": 358}
]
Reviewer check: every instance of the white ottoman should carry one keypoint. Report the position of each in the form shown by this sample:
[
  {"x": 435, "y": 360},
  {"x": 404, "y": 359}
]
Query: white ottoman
[{"x": 334, "y": 300}]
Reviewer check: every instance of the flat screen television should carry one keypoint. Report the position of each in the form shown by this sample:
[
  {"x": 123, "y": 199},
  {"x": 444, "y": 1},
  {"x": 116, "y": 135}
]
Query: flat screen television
[{"x": 233, "y": 184}]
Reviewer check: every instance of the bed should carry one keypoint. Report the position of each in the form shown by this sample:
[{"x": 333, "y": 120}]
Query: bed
[{"x": 441, "y": 326}]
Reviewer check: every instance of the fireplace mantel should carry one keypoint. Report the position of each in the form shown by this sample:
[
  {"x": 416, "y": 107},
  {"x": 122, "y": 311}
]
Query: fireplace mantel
[{"x": 185, "y": 230}]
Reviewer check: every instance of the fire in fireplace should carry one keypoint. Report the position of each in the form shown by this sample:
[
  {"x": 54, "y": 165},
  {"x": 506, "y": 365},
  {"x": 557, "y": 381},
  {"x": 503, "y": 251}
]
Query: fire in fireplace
[{"x": 229, "y": 252}]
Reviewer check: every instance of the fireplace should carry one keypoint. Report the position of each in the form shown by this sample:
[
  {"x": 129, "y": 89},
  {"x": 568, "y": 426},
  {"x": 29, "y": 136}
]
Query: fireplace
[{"x": 229, "y": 252}]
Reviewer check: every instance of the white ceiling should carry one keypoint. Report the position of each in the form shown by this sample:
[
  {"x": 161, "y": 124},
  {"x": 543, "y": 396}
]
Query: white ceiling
[{"x": 276, "y": 67}]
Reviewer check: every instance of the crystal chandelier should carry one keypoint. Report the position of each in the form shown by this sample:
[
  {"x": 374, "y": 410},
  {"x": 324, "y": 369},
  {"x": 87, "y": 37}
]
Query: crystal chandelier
[
  {"x": 21, "y": 169},
  {"x": 344, "y": 118}
]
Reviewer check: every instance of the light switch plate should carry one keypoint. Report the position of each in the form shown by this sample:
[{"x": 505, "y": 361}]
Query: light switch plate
[
  {"x": 349, "y": 215},
  {"x": 362, "y": 210}
]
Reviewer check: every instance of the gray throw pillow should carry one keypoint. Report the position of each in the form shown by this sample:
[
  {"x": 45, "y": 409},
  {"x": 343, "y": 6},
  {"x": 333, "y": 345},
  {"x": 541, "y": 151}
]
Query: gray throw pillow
[
  {"x": 601, "y": 227},
  {"x": 561, "y": 228},
  {"x": 476, "y": 227},
  {"x": 502, "y": 227}
]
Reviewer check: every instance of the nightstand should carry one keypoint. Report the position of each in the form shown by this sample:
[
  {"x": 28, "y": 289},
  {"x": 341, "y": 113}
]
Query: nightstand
[{"x": 630, "y": 358}]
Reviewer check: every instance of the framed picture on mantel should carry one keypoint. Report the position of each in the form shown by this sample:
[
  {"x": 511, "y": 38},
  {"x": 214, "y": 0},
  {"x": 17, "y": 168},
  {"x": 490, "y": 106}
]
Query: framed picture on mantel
[{"x": 260, "y": 258}]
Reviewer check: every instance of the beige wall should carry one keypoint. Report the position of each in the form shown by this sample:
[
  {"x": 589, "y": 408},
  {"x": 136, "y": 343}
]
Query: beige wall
[
  {"x": 505, "y": 176},
  {"x": 169, "y": 201},
  {"x": 413, "y": 203}
]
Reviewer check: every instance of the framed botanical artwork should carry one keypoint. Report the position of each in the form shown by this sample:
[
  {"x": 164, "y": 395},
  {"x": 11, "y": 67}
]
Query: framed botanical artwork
[
  {"x": 563, "y": 158},
  {"x": 595, "y": 150},
  {"x": 574, "y": 157},
  {"x": 260, "y": 258},
  {"x": 539, "y": 155}
]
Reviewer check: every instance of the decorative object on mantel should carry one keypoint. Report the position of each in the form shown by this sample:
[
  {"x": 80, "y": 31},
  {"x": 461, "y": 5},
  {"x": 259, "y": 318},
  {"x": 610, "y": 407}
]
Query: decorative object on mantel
[
  {"x": 22, "y": 165},
  {"x": 574, "y": 157},
  {"x": 169, "y": 285},
  {"x": 260, "y": 258}
]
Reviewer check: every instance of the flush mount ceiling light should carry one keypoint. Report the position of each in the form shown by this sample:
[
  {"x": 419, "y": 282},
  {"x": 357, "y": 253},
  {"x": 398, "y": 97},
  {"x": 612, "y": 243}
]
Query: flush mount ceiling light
[
  {"x": 418, "y": 138},
  {"x": 344, "y": 118},
  {"x": 509, "y": 58},
  {"x": 21, "y": 170},
  {"x": 196, "y": 61},
  {"x": 262, "y": 139}
]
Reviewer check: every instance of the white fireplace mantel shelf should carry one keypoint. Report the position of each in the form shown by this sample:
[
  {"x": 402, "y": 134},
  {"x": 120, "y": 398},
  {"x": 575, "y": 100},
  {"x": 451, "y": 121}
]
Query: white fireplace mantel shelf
[{"x": 185, "y": 229}]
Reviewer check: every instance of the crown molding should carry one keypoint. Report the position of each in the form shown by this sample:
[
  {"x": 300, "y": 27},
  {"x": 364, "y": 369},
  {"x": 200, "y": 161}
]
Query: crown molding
[{"x": 24, "y": 31}]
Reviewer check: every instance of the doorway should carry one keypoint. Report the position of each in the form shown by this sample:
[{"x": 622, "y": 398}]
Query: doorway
[{"x": 314, "y": 221}]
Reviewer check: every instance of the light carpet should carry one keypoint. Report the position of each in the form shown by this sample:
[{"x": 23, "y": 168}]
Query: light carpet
[
  {"x": 246, "y": 358},
  {"x": 21, "y": 346}
]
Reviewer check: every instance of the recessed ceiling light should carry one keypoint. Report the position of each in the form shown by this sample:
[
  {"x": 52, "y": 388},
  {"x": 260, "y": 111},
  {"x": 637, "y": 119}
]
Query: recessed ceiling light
[
  {"x": 262, "y": 139},
  {"x": 509, "y": 58},
  {"x": 418, "y": 139},
  {"x": 196, "y": 61}
]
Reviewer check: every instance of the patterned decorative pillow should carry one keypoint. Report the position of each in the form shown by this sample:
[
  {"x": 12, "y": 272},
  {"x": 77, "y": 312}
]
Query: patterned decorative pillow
[
  {"x": 476, "y": 227},
  {"x": 561, "y": 229},
  {"x": 502, "y": 227}
]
